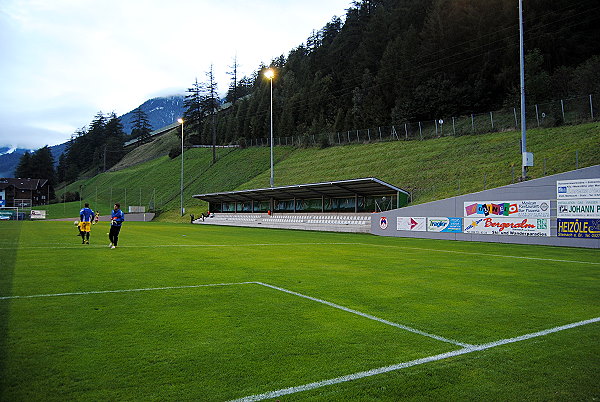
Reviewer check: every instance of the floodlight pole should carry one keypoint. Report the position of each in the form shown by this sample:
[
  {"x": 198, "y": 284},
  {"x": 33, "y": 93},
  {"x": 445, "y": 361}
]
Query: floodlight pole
[
  {"x": 181, "y": 187},
  {"x": 272, "y": 181},
  {"x": 522, "y": 73}
]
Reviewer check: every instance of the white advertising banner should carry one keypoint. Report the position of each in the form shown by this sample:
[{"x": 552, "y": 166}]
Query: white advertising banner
[
  {"x": 508, "y": 209},
  {"x": 444, "y": 224},
  {"x": 41, "y": 214},
  {"x": 578, "y": 209},
  {"x": 411, "y": 224},
  {"x": 575, "y": 189},
  {"x": 508, "y": 226}
]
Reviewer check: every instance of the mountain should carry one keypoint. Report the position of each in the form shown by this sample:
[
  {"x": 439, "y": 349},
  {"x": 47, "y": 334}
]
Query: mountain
[
  {"x": 160, "y": 111},
  {"x": 9, "y": 158}
]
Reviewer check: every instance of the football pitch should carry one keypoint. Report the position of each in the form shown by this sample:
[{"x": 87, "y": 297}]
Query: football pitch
[{"x": 191, "y": 312}]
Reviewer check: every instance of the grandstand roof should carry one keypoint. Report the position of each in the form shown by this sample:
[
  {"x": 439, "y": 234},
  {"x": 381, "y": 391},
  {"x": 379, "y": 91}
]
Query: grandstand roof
[{"x": 367, "y": 187}]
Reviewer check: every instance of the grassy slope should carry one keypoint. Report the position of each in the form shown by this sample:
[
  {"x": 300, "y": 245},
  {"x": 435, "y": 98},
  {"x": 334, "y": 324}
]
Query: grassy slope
[{"x": 431, "y": 169}]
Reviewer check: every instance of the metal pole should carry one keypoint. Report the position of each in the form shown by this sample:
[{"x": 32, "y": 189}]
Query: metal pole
[
  {"x": 562, "y": 108},
  {"x": 591, "y": 107},
  {"x": 272, "y": 181},
  {"x": 181, "y": 186},
  {"x": 522, "y": 73}
]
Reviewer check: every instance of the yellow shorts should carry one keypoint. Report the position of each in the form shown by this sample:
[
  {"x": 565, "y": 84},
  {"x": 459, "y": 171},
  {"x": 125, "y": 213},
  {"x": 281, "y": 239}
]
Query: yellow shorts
[{"x": 85, "y": 226}]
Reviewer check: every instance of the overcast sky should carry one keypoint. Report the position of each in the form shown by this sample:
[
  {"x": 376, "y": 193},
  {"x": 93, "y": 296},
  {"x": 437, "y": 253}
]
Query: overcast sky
[{"x": 62, "y": 61}]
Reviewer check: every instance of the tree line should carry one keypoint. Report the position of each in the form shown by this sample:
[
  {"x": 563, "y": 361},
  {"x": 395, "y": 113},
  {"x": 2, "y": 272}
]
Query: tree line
[
  {"x": 90, "y": 150},
  {"x": 385, "y": 63},
  {"x": 393, "y": 61}
]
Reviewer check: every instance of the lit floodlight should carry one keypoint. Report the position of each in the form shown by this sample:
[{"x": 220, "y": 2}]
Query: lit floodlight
[{"x": 270, "y": 73}]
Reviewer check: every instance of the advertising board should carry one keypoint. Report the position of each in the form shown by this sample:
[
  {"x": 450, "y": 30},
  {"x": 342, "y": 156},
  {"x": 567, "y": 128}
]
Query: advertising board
[
  {"x": 578, "y": 208},
  {"x": 38, "y": 214},
  {"x": 576, "y": 189},
  {"x": 580, "y": 228},
  {"x": 446, "y": 225},
  {"x": 411, "y": 224},
  {"x": 508, "y": 226},
  {"x": 512, "y": 209}
]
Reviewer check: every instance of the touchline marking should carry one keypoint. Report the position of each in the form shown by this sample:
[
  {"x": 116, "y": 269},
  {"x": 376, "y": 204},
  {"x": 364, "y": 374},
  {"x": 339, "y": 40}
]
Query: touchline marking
[
  {"x": 81, "y": 247},
  {"x": 74, "y": 247},
  {"x": 478, "y": 254},
  {"x": 369, "y": 316},
  {"x": 93, "y": 292},
  {"x": 400, "y": 366}
]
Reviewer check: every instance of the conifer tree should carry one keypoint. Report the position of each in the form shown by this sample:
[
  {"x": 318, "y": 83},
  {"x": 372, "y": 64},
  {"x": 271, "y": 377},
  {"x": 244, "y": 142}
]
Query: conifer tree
[
  {"x": 24, "y": 169},
  {"x": 194, "y": 113},
  {"x": 141, "y": 126}
]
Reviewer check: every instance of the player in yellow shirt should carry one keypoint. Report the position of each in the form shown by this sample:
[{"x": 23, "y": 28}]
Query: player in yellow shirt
[{"x": 86, "y": 216}]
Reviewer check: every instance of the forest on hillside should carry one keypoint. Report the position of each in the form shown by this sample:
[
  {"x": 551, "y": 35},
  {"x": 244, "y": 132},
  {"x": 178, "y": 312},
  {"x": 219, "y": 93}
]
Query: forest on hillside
[
  {"x": 385, "y": 62},
  {"x": 392, "y": 61}
]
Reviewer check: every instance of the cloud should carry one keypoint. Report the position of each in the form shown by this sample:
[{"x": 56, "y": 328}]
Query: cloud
[{"x": 65, "y": 60}]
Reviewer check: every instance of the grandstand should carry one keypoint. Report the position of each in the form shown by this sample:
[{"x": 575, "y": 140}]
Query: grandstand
[
  {"x": 338, "y": 206},
  {"x": 351, "y": 223}
]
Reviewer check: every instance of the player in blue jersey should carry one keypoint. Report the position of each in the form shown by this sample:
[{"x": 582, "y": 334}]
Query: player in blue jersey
[
  {"x": 116, "y": 220},
  {"x": 86, "y": 216}
]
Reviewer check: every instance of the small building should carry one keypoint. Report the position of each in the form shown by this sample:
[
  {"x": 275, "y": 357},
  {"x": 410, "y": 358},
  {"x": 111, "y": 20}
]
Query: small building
[
  {"x": 347, "y": 196},
  {"x": 24, "y": 193}
]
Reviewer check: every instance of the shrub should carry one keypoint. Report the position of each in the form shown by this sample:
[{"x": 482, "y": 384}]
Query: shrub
[{"x": 174, "y": 152}]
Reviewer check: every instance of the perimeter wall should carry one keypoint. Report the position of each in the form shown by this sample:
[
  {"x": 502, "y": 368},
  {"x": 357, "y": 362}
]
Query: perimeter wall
[{"x": 409, "y": 221}]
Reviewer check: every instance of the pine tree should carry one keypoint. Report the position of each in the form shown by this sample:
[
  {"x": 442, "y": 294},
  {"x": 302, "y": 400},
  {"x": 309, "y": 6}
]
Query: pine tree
[
  {"x": 24, "y": 169},
  {"x": 194, "y": 114},
  {"x": 113, "y": 141},
  {"x": 141, "y": 126},
  {"x": 232, "y": 94},
  {"x": 211, "y": 105},
  {"x": 43, "y": 165}
]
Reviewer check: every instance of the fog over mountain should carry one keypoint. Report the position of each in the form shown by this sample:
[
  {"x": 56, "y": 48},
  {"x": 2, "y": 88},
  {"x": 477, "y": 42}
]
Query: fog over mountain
[{"x": 161, "y": 112}]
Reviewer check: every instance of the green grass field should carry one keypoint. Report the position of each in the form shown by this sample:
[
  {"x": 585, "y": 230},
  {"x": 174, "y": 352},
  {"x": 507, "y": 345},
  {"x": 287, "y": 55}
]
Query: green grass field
[{"x": 190, "y": 312}]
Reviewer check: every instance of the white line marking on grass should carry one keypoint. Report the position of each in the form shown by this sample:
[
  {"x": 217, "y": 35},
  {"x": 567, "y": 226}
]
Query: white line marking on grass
[
  {"x": 74, "y": 247},
  {"x": 400, "y": 366},
  {"x": 371, "y": 317},
  {"x": 478, "y": 254},
  {"x": 93, "y": 292},
  {"x": 81, "y": 247}
]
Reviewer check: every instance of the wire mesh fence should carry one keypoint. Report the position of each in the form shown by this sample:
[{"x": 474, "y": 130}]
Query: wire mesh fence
[{"x": 565, "y": 111}]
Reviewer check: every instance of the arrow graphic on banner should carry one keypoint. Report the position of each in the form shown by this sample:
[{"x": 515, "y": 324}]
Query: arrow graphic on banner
[{"x": 413, "y": 223}]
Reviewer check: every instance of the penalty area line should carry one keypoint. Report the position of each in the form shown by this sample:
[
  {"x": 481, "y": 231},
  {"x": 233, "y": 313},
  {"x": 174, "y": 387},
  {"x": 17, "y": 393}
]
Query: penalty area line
[
  {"x": 95, "y": 292},
  {"x": 369, "y": 316},
  {"x": 412, "y": 363}
]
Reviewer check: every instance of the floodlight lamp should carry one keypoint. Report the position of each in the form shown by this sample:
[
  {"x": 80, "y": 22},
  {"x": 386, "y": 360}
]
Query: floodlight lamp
[
  {"x": 180, "y": 121},
  {"x": 270, "y": 73}
]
